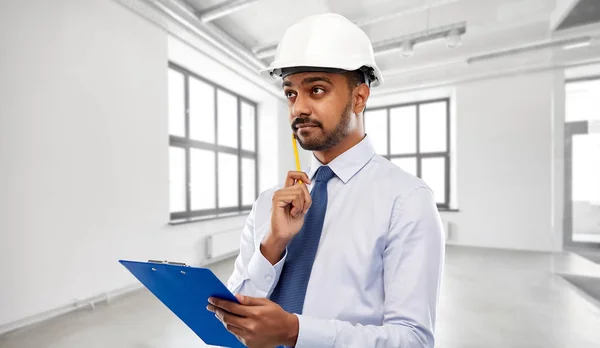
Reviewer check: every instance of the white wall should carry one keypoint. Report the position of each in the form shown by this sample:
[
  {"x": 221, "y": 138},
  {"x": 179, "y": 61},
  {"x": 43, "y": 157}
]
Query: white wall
[
  {"x": 504, "y": 160},
  {"x": 84, "y": 151}
]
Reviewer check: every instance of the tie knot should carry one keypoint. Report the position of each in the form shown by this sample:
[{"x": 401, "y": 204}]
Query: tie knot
[{"x": 324, "y": 174}]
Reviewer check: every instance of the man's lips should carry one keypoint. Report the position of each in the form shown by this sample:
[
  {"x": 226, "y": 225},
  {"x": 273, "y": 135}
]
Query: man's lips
[{"x": 305, "y": 126}]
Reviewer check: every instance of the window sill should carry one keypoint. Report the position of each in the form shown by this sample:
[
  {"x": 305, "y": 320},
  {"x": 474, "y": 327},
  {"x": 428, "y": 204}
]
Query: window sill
[
  {"x": 207, "y": 218},
  {"x": 238, "y": 214}
]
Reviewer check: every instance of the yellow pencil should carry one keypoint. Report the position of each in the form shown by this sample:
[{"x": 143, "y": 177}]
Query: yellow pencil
[{"x": 296, "y": 154}]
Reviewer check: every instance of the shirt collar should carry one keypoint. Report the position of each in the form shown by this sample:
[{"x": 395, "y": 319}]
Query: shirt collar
[{"x": 348, "y": 163}]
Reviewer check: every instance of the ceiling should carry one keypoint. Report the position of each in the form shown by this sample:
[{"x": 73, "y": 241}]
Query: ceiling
[
  {"x": 491, "y": 25},
  {"x": 583, "y": 12}
]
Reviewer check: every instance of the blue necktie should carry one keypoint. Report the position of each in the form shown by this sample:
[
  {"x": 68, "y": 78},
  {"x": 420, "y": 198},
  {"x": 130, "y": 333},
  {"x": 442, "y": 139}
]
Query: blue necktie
[{"x": 290, "y": 291}]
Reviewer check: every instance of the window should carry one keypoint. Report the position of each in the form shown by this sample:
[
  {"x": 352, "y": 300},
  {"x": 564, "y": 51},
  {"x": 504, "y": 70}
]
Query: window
[
  {"x": 582, "y": 100},
  {"x": 416, "y": 137},
  {"x": 212, "y": 154}
]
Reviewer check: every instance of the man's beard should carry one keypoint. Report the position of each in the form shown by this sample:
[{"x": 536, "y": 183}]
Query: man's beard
[{"x": 327, "y": 140}]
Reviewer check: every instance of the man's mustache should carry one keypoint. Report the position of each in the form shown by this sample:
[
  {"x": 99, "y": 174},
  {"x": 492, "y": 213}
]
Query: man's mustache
[{"x": 299, "y": 121}]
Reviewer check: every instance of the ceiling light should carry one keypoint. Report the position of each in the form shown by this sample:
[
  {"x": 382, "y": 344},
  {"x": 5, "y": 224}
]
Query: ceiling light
[
  {"x": 454, "y": 39},
  {"x": 407, "y": 49},
  {"x": 537, "y": 46},
  {"x": 575, "y": 45},
  {"x": 417, "y": 38}
]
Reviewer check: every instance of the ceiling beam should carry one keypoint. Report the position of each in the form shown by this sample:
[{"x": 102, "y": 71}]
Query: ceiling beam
[
  {"x": 223, "y": 9},
  {"x": 186, "y": 15}
]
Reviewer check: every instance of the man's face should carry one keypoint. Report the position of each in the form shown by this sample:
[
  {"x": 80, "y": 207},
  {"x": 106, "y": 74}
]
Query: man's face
[{"x": 320, "y": 109}]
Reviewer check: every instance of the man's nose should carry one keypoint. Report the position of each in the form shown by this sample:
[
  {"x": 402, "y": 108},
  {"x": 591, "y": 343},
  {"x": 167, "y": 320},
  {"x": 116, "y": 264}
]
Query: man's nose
[{"x": 301, "y": 107}]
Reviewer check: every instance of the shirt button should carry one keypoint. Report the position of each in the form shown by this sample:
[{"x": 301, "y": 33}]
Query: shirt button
[{"x": 268, "y": 278}]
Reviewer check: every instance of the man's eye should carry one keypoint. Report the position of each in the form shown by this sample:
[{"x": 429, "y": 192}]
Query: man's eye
[
  {"x": 289, "y": 94},
  {"x": 318, "y": 90}
]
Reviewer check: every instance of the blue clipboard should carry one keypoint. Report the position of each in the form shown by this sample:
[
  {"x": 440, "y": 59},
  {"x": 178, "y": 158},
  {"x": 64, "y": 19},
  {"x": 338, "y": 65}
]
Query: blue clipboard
[{"x": 185, "y": 291}]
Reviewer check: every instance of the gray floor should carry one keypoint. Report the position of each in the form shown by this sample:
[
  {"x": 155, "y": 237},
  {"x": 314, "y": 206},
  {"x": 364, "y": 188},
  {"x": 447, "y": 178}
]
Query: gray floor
[
  {"x": 589, "y": 285},
  {"x": 593, "y": 256},
  {"x": 490, "y": 298}
]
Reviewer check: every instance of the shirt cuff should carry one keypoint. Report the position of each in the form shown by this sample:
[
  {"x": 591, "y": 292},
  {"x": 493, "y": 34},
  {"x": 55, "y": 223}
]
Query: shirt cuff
[
  {"x": 262, "y": 273},
  {"x": 315, "y": 332}
]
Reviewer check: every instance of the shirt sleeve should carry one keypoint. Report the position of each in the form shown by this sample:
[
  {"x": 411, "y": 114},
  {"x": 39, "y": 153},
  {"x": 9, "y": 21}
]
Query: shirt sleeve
[
  {"x": 413, "y": 267},
  {"x": 253, "y": 274}
]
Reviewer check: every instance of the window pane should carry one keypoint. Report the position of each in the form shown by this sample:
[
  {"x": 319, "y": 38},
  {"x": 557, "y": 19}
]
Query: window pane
[
  {"x": 376, "y": 128},
  {"x": 177, "y": 181},
  {"x": 248, "y": 131},
  {"x": 433, "y": 172},
  {"x": 202, "y": 111},
  {"x": 176, "y": 92},
  {"x": 583, "y": 101},
  {"x": 433, "y": 118},
  {"x": 202, "y": 178},
  {"x": 408, "y": 164},
  {"x": 228, "y": 180},
  {"x": 586, "y": 188},
  {"x": 586, "y": 168},
  {"x": 403, "y": 130},
  {"x": 227, "y": 119},
  {"x": 248, "y": 181}
]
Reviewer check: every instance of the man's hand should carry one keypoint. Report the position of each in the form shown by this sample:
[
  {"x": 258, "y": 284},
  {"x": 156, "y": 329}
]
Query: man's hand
[
  {"x": 290, "y": 204},
  {"x": 257, "y": 322}
]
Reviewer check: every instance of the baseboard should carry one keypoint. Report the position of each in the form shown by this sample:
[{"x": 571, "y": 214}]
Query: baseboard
[{"x": 57, "y": 312}]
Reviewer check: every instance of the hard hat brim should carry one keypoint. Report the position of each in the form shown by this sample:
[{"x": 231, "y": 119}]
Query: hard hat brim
[{"x": 275, "y": 69}]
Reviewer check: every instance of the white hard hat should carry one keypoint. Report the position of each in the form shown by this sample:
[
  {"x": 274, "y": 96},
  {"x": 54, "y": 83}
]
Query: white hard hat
[{"x": 322, "y": 42}]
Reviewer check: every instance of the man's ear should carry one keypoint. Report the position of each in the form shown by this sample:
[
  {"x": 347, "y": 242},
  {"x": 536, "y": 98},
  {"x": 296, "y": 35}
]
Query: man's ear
[{"x": 361, "y": 95}]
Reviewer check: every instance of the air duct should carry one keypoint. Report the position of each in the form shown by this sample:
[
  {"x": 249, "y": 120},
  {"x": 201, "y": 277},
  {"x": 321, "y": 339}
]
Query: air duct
[
  {"x": 530, "y": 48},
  {"x": 452, "y": 30}
]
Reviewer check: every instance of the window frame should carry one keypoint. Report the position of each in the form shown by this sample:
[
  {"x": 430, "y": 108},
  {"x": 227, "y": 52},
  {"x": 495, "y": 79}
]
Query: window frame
[
  {"x": 418, "y": 155},
  {"x": 186, "y": 143}
]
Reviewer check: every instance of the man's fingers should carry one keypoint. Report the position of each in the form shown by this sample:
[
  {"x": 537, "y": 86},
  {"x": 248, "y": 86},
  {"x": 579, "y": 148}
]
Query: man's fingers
[
  {"x": 239, "y": 333},
  {"x": 230, "y": 320},
  {"x": 295, "y": 196},
  {"x": 297, "y": 204},
  {"x": 292, "y": 177},
  {"x": 307, "y": 199},
  {"x": 251, "y": 301},
  {"x": 228, "y": 306},
  {"x": 284, "y": 199},
  {"x": 221, "y": 314}
]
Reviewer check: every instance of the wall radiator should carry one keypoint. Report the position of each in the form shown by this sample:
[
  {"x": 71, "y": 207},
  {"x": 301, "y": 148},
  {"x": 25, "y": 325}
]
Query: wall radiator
[{"x": 222, "y": 245}]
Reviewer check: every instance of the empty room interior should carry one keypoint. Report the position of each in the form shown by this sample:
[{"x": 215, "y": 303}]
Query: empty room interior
[{"x": 148, "y": 131}]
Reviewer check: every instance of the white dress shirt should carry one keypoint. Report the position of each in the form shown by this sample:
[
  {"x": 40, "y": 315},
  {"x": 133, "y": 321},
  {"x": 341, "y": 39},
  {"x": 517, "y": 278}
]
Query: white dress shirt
[{"x": 376, "y": 276}]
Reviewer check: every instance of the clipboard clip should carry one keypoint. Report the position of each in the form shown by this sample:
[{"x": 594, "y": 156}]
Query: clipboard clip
[{"x": 168, "y": 263}]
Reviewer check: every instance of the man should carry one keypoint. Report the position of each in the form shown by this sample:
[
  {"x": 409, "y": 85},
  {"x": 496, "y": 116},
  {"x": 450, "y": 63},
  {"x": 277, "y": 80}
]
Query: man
[{"x": 349, "y": 254}]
